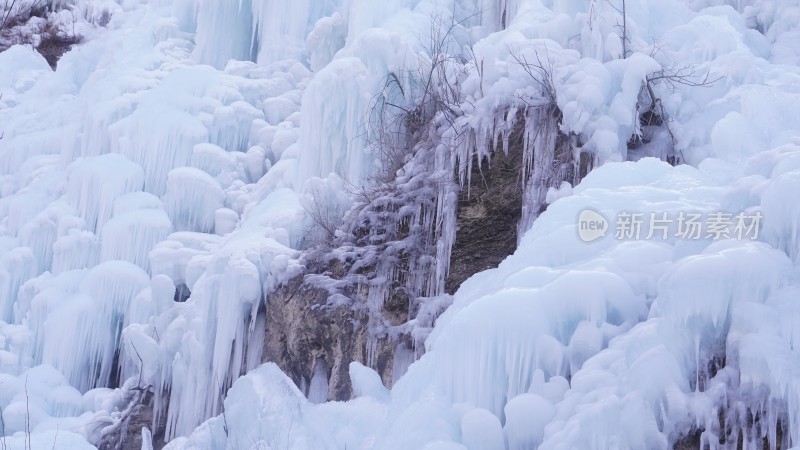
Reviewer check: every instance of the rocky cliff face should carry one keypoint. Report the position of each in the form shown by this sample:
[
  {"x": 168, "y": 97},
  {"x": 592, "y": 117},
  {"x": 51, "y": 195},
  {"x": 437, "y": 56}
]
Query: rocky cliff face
[
  {"x": 304, "y": 330},
  {"x": 314, "y": 339},
  {"x": 488, "y": 213},
  {"x": 306, "y": 335}
]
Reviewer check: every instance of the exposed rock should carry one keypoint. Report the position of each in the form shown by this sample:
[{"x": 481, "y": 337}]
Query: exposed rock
[
  {"x": 182, "y": 293},
  {"x": 127, "y": 434},
  {"x": 488, "y": 214},
  {"x": 38, "y": 28},
  {"x": 490, "y": 209},
  {"x": 302, "y": 329},
  {"x": 55, "y": 43}
]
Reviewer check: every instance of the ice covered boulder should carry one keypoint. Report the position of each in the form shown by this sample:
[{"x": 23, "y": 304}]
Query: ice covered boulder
[
  {"x": 367, "y": 382},
  {"x": 262, "y": 406},
  {"x": 20, "y": 66},
  {"x": 481, "y": 430},
  {"x": 47, "y": 440},
  {"x": 526, "y": 417}
]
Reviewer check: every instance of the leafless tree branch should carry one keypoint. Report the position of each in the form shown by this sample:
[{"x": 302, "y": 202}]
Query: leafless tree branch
[{"x": 11, "y": 17}]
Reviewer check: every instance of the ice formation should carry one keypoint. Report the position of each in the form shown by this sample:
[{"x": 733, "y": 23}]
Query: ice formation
[{"x": 165, "y": 179}]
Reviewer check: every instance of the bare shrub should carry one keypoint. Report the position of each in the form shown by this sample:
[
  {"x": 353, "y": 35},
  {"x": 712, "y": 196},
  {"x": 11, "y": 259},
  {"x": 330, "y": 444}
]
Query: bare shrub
[
  {"x": 55, "y": 42},
  {"x": 24, "y": 23},
  {"x": 322, "y": 213},
  {"x": 650, "y": 109},
  {"x": 15, "y": 12},
  {"x": 402, "y": 112}
]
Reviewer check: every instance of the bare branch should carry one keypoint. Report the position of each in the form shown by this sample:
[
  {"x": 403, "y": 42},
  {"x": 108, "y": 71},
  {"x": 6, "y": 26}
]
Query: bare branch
[
  {"x": 412, "y": 101},
  {"x": 539, "y": 72},
  {"x": 3, "y": 431},
  {"x": 55, "y": 438},
  {"x": 10, "y": 17},
  {"x": 141, "y": 364},
  {"x": 27, "y": 417},
  {"x": 684, "y": 75},
  {"x": 322, "y": 214}
]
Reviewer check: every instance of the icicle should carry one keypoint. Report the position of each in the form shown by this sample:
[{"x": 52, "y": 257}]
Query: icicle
[
  {"x": 81, "y": 334},
  {"x": 213, "y": 345},
  {"x": 232, "y": 19},
  {"x": 498, "y": 14},
  {"x": 403, "y": 357},
  {"x": 318, "y": 388},
  {"x": 76, "y": 250},
  {"x": 16, "y": 267},
  {"x": 212, "y": 159},
  {"x": 39, "y": 235},
  {"x": 94, "y": 183},
  {"x": 332, "y": 141},
  {"x": 231, "y": 126},
  {"x": 541, "y": 133},
  {"x": 147, "y": 439},
  {"x": 192, "y": 198},
  {"x": 282, "y": 36},
  {"x": 130, "y": 236},
  {"x": 165, "y": 138}
]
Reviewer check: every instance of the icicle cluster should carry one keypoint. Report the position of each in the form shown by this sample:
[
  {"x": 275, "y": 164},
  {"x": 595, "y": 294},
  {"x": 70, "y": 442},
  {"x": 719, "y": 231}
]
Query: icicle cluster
[{"x": 153, "y": 188}]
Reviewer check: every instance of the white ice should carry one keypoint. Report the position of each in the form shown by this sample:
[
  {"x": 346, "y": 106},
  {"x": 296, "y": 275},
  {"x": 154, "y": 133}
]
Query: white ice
[{"x": 179, "y": 144}]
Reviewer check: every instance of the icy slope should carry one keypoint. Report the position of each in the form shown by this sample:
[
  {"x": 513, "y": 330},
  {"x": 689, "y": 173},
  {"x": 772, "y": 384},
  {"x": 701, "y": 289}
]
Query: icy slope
[
  {"x": 123, "y": 154},
  {"x": 631, "y": 325},
  {"x": 154, "y": 158},
  {"x": 614, "y": 344}
]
